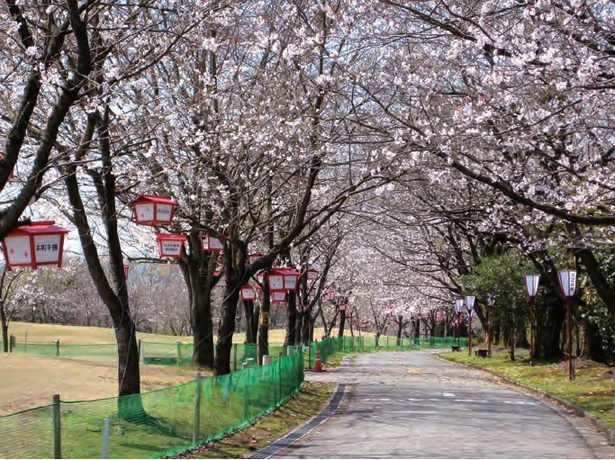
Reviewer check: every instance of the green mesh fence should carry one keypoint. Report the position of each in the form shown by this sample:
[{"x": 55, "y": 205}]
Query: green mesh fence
[
  {"x": 357, "y": 344},
  {"x": 166, "y": 353},
  {"x": 151, "y": 424}
]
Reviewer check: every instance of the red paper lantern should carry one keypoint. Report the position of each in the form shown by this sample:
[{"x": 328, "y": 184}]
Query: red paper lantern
[
  {"x": 278, "y": 297},
  {"x": 312, "y": 274},
  {"x": 248, "y": 292},
  {"x": 170, "y": 244},
  {"x": 329, "y": 295},
  {"x": 126, "y": 268},
  {"x": 40, "y": 243},
  {"x": 153, "y": 210},
  {"x": 342, "y": 307},
  {"x": 211, "y": 243},
  {"x": 282, "y": 279}
]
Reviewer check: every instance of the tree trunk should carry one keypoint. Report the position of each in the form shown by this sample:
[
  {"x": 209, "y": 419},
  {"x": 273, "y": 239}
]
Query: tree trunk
[
  {"x": 203, "y": 329},
  {"x": 5, "y": 328},
  {"x": 115, "y": 298},
  {"x": 305, "y": 328},
  {"x": 512, "y": 338},
  {"x": 248, "y": 308},
  {"x": 592, "y": 343},
  {"x": 549, "y": 330},
  {"x": 263, "y": 325},
  {"x": 342, "y": 323},
  {"x": 291, "y": 321},
  {"x": 224, "y": 345},
  {"x": 129, "y": 380}
]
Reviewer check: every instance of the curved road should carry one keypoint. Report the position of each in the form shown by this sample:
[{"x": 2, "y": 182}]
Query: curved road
[{"x": 413, "y": 405}]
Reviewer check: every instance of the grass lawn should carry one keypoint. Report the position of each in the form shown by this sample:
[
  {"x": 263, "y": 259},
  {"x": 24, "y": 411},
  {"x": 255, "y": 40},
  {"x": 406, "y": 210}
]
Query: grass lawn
[
  {"x": 33, "y": 332},
  {"x": 593, "y": 388},
  {"x": 30, "y": 381}
]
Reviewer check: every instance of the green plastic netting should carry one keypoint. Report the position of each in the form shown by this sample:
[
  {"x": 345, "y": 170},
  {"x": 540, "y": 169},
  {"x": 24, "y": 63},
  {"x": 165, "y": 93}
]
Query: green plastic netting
[{"x": 154, "y": 423}]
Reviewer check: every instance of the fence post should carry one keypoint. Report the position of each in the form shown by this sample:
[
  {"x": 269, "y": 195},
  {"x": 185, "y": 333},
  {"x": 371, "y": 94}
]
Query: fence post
[
  {"x": 309, "y": 355},
  {"x": 179, "y": 352},
  {"x": 57, "y": 342},
  {"x": 197, "y": 409},
  {"x": 11, "y": 343},
  {"x": 140, "y": 345},
  {"x": 104, "y": 450},
  {"x": 235, "y": 357},
  {"x": 57, "y": 427}
]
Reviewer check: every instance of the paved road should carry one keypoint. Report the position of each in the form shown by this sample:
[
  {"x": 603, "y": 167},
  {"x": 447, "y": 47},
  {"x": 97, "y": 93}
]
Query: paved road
[{"x": 412, "y": 405}]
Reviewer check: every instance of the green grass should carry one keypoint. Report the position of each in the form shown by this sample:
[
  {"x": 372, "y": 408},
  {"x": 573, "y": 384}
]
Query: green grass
[
  {"x": 299, "y": 409},
  {"x": 593, "y": 388}
]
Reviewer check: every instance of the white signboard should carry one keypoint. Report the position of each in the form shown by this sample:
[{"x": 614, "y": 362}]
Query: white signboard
[
  {"x": 171, "y": 248},
  {"x": 47, "y": 248},
  {"x": 145, "y": 212},
  {"x": 290, "y": 282},
  {"x": 18, "y": 250},
  {"x": 276, "y": 282},
  {"x": 247, "y": 293},
  {"x": 278, "y": 296},
  {"x": 163, "y": 212}
]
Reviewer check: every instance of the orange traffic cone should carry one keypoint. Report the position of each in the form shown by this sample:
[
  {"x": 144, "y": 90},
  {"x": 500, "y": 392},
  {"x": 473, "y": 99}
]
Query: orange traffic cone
[{"x": 317, "y": 363}]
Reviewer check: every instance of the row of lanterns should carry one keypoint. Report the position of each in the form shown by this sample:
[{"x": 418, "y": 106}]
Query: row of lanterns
[
  {"x": 42, "y": 243},
  {"x": 156, "y": 210}
]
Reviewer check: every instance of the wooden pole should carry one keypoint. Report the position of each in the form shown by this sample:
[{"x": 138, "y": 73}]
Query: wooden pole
[{"x": 57, "y": 427}]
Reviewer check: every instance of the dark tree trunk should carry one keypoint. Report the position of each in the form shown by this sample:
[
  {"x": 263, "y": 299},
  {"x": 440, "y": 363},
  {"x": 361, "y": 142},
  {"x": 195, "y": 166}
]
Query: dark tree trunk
[
  {"x": 550, "y": 323},
  {"x": 224, "y": 345},
  {"x": 342, "y": 323},
  {"x": 197, "y": 269},
  {"x": 291, "y": 320},
  {"x": 5, "y": 328},
  {"x": 592, "y": 343},
  {"x": 332, "y": 323},
  {"x": 203, "y": 329},
  {"x": 115, "y": 298},
  {"x": 400, "y": 327},
  {"x": 594, "y": 271},
  {"x": 306, "y": 335},
  {"x": 520, "y": 327},
  {"x": 251, "y": 323},
  {"x": 263, "y": 325},
  {"x": 128, "y": 370}
]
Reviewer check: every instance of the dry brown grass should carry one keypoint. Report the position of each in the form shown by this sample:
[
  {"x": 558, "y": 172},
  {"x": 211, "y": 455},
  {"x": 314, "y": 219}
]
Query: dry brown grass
[
  {"x": 90, "y": 335},
  {"x": 30, "y": 381}
]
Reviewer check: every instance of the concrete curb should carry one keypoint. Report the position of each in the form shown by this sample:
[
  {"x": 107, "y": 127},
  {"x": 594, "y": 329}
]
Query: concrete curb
[
  {"x": 289, "y": 439},
  {"x": 578, "y": 410}
]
